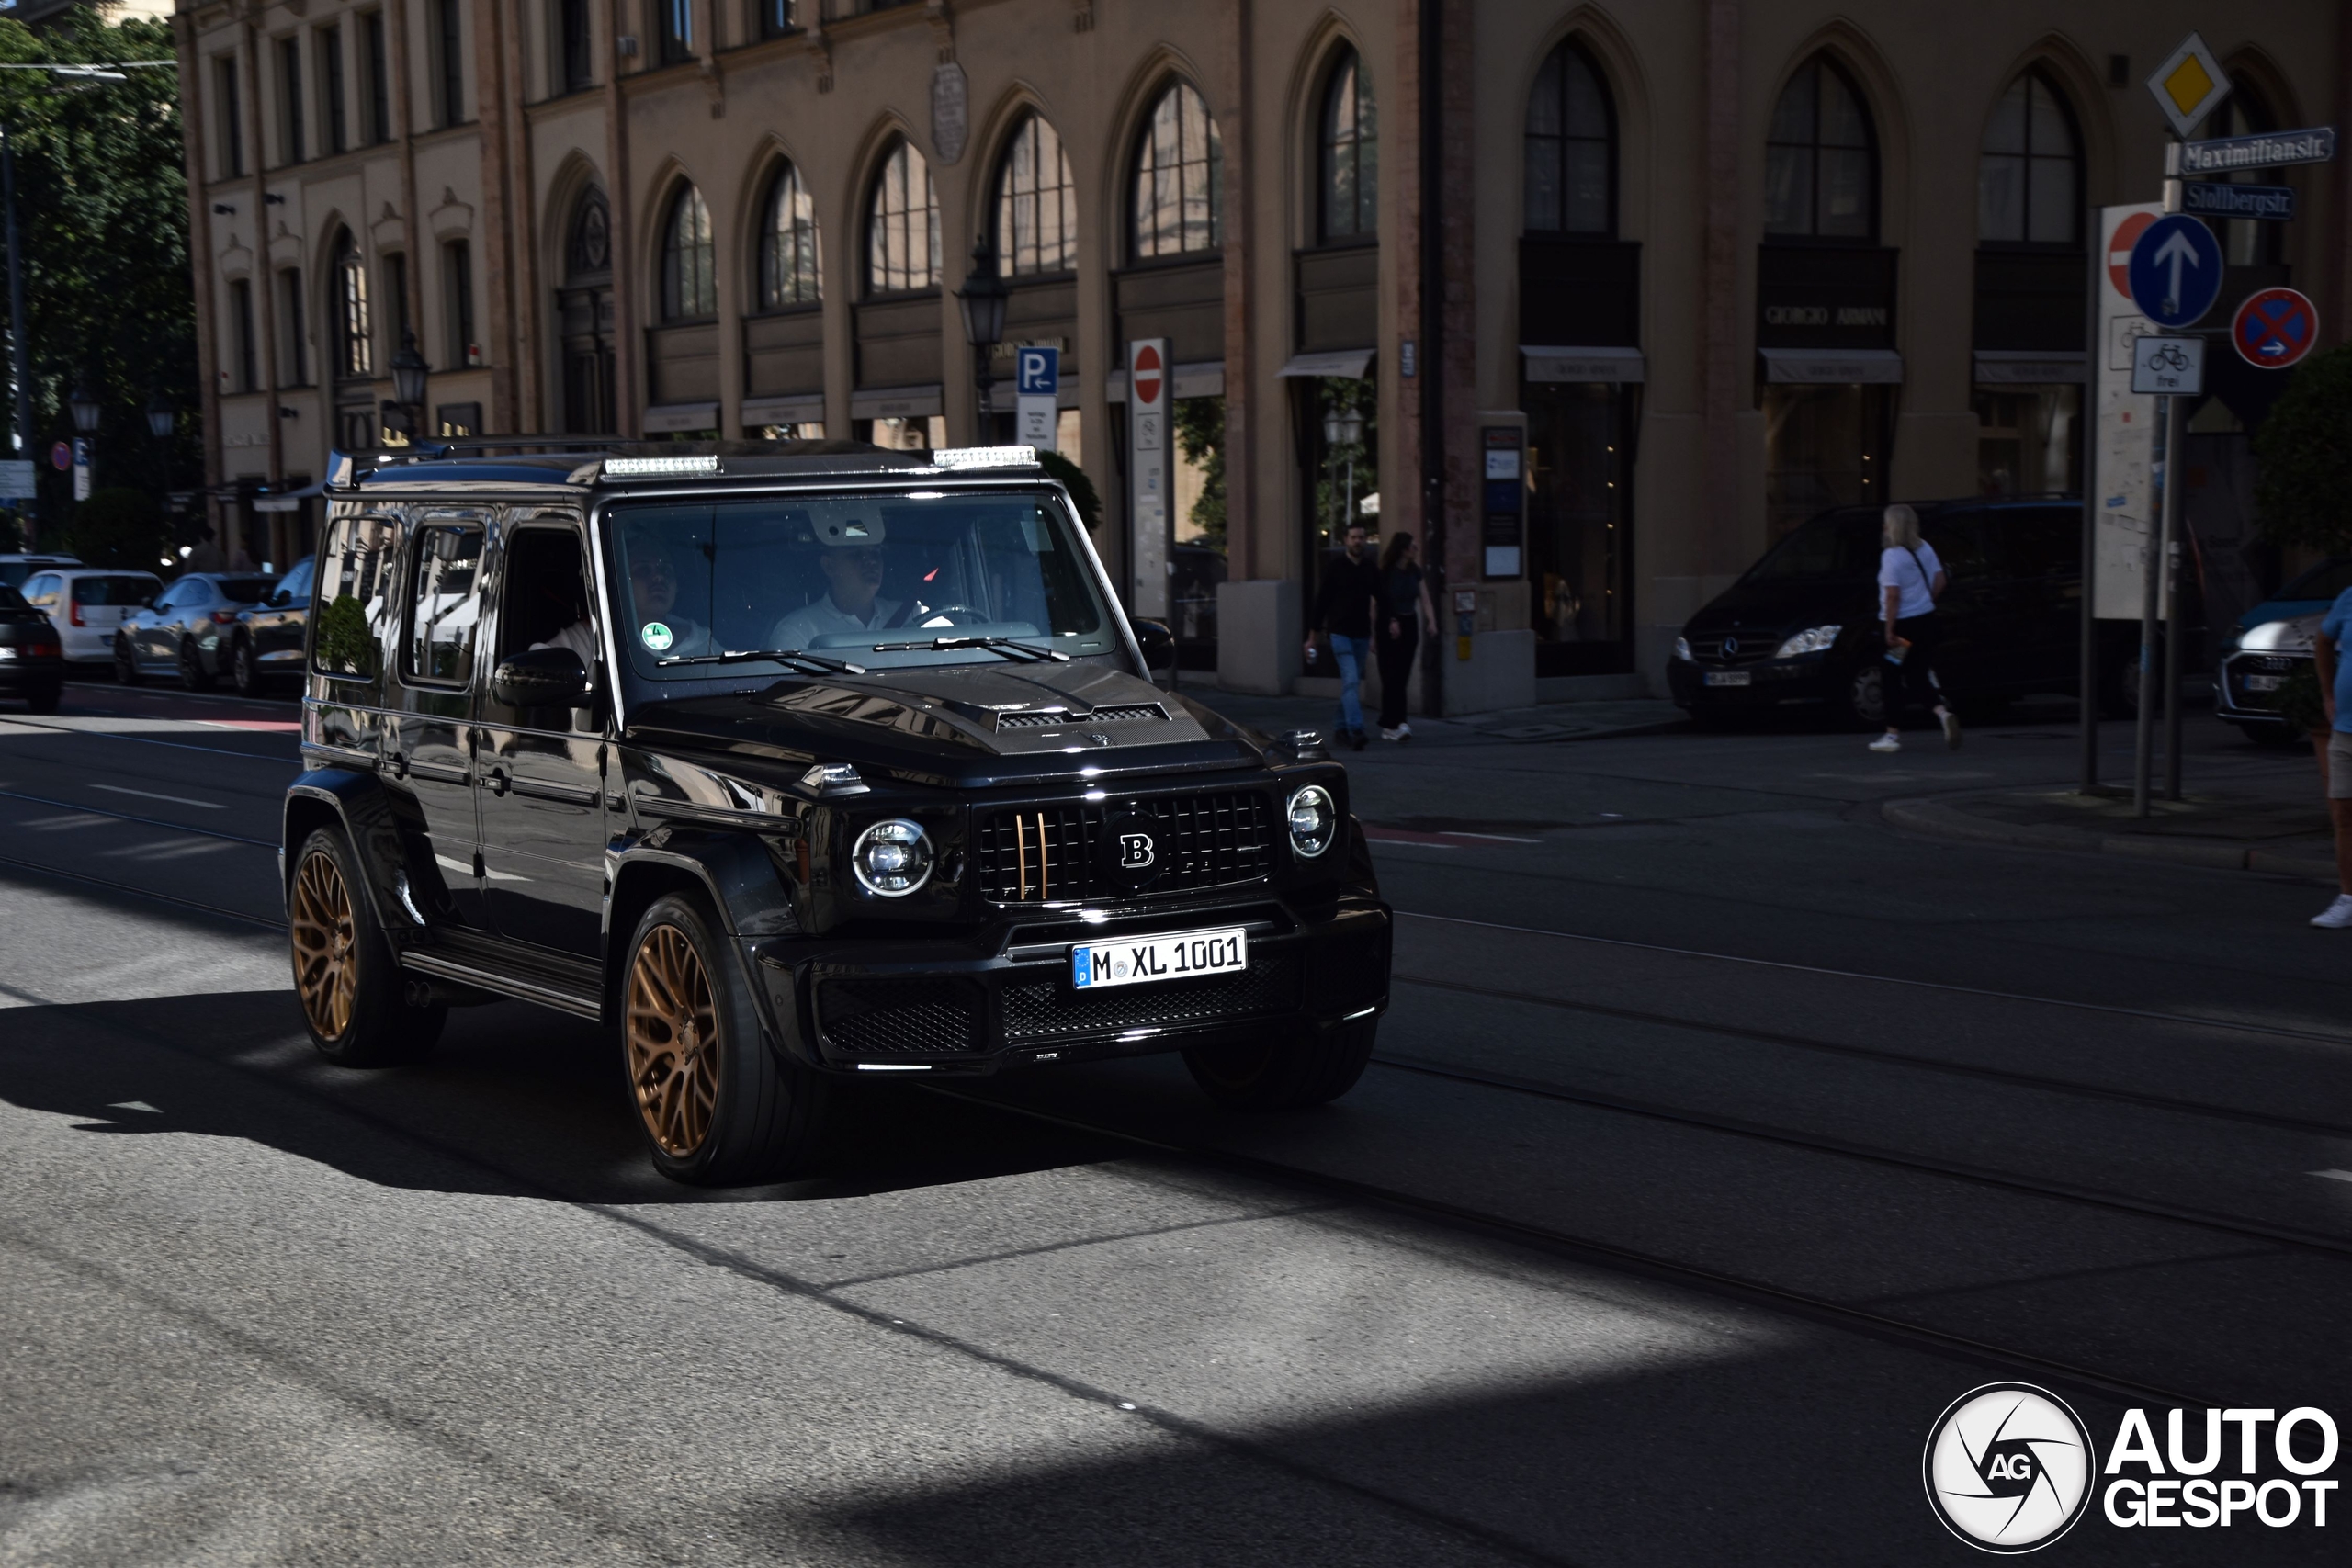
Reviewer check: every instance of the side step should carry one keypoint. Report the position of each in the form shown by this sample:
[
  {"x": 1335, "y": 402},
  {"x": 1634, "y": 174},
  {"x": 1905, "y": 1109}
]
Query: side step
[{"x": 511, "y": 969}]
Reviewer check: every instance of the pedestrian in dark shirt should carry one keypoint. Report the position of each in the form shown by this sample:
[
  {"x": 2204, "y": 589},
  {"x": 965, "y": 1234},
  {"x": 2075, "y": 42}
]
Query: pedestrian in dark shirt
[
  {"x": 1344, "y": 606},
  {"x": 1404, "y": 614}
]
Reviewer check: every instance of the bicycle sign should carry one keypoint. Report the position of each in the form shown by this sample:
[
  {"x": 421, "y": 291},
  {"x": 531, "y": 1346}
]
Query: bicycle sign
[{"x": 2168, "y": 366}]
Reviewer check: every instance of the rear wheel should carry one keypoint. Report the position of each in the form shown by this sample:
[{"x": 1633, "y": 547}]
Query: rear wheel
[
  {"x": 719, "y": 1105},
  {"x": 353, "y": 998},
  {"x": 126, "y": 662},
  {"x": 193, "y": 674},
  {"x": 243, "y": 673},
  {"x": 1287, "y": 1070}
]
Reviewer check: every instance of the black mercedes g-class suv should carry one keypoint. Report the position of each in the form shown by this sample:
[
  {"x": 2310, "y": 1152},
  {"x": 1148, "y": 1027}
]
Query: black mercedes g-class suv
[{"x": 795, "y": 762}]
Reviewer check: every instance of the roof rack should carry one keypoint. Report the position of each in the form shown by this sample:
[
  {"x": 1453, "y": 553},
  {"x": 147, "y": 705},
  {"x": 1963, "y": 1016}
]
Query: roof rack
[{"x": 345, "y": 470}]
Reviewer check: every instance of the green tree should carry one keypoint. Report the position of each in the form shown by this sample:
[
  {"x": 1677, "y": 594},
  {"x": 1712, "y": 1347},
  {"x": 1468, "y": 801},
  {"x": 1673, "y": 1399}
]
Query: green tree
[
  {"x": 1200, "y": 435},
  {"x": 1073, "y": 478},
  {"x": 119, "y": 526},
  {"x": 2303, "y": 493},
  {"x": 102, "y": 212}
]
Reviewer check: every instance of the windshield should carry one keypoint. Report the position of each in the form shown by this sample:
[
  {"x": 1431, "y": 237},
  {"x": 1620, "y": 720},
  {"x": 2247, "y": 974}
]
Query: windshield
[
  {"x": 2324, "y": 581},
  {"x": 840, "y": 574},
  {"x": 1834, "y": 545}
]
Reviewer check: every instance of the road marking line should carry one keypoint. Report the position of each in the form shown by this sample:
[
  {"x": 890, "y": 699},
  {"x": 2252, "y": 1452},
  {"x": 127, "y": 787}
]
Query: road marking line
[
  {"x": 1496, "y": 838},
  {"x": 150, "y": 794},
  {"x": 2332, "y": 1175},
  {"x": 134, "y": 1105}
]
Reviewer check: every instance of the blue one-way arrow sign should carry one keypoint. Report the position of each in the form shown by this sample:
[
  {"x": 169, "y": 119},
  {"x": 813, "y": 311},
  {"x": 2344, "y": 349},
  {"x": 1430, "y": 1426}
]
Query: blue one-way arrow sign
[{"x": 2176, "y": 271}]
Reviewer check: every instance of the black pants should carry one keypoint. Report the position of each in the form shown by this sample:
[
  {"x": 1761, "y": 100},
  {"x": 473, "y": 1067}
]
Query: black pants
[
  {"x": 1909, "y": 681},
  {"x": 1396, "y": 666}
]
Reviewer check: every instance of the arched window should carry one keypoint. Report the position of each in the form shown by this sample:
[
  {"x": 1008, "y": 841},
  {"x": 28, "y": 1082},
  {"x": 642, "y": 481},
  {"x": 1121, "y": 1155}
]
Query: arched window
[
  {"x": 1037, "y": 205},
  {"x": 2246, "y": 242},
  {"x": 902, "y": 225},
  {"x": 355, "y": 349},
  {"x": 1821, "y": 160},
  {"x": 1571, "y": 148},
  {"x": 1178, "y": 203},
  {"x": 1351, "y": 154},
  {"x": 2029, "y": 177},
  {"x": 589, "y": 252},
  {"x": 789, "y": 245},
  {"x": 689, "y": 270}
]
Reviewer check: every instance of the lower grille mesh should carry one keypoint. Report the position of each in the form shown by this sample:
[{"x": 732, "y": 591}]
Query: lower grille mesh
[
  {"x": 1046, "y": 1010},
  {"x": 902, "y": 1017}
]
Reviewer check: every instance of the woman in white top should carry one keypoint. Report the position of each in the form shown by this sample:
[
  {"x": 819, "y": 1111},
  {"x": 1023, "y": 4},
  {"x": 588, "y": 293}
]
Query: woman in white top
[{"x": 1910, "y": 580}]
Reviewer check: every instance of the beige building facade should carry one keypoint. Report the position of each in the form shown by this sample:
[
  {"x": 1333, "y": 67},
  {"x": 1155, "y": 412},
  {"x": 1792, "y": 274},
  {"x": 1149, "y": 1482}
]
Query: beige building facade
[{"x": 1708, "y": 265}]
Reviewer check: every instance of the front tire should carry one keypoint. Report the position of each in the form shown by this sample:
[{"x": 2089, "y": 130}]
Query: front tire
[
  {"x": 1285, "y": 1070},
  {"x": 243, "y": 673},
  {"x": 126, "y": 662},
  {"x": 719, "y": 1106},
  {"x": 193, "y": 674},
  {"x": 1862, "y": 694},
  {"x": 353, "y": 997}
]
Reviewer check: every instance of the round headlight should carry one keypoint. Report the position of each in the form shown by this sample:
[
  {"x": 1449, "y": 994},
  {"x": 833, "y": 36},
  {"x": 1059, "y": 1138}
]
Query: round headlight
[
  {"x": 1314, "y": 820},
  {"x": 892, "y": 859}
]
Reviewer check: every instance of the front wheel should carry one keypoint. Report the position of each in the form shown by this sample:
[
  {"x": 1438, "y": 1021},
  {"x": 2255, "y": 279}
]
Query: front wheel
[
  {"x": 126, "y": 662},
  {"x": 719, "y": 1107},
  {"x": 353, "y": 997},
  {"x": 1287, "y": 1070},
  {"x": 1862, "y": 693},
  {"x": 193, "y": 674},
  {"x": 243, "y": 673}
]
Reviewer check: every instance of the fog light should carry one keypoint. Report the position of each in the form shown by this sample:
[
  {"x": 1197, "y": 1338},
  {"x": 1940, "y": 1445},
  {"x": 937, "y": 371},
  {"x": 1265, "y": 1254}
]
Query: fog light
[
  {"x": 1314, "y": 821},
  {"x": 892, "y": 859}
]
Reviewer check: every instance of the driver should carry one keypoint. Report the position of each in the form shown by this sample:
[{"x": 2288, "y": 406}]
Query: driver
[
  {"x": 854, "y": 579},
  {"x": 653, "y": 595}
]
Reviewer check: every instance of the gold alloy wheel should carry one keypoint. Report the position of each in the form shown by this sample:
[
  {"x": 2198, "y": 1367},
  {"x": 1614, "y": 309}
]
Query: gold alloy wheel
[
  {"x": 672, "y": 1032},
  {"x": 326, "y": 969}
]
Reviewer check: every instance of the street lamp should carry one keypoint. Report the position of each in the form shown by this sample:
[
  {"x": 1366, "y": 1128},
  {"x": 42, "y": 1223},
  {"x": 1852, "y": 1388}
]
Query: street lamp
[
  {"x": 161, "y": 417},
  {"x": 85, "y": 407},
  {"x": 1344, "y": 427},
  {"x": 982, "y": 302},
  {"x": 409, "y": 371}
]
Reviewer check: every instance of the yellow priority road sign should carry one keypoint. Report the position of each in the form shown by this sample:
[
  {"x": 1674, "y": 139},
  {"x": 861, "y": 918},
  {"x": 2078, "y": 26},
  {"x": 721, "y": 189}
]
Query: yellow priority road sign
[{"x": 2189, "y": 85}]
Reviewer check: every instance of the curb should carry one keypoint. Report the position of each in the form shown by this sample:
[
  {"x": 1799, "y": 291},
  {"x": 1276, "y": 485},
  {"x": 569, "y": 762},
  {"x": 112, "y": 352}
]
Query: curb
[{"x": 1936, "y": 819}]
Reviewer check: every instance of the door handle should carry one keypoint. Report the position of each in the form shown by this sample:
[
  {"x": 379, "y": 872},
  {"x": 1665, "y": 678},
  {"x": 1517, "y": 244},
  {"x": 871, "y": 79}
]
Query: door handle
[{"x": 498, "y": 779}]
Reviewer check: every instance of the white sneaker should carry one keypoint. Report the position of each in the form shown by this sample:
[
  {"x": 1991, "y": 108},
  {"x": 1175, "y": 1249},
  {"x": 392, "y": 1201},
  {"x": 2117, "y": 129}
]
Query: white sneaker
[
  {"x": 1392, "y": 735},
  {"x": 1951, "y": 729},
  {"x": 1887, "y": 743},
  {"x": 2337, "y": 916},
  {"x": 1404, "y": 732}
]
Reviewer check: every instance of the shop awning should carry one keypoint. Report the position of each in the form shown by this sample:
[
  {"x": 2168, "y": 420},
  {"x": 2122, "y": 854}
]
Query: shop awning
[
  {"x": 805, "y": 409},
  {"x": 288, "y": 500},
  {"x": 1832, "y": 366},
  {"x": 665, "y": 417},
  {"x": 2028, "y": 367},
  {"x": 1344, "y": 364},
  {"x": 896, "y": 403},
  {"x": 1621, "y": 364}
]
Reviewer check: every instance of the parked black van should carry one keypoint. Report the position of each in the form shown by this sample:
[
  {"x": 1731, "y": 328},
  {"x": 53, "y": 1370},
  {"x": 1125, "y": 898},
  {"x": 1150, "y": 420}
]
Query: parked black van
[{"x": 1803, "y": 626}]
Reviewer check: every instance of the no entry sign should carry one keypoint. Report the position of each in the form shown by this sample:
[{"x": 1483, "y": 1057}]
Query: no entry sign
[{"x": 2275, "y": 328}]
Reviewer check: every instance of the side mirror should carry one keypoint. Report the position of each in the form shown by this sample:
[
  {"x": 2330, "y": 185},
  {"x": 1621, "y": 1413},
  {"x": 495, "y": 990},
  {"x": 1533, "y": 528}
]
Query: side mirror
[
  {"x": 280, "y": 599},
  {"x": 1158, "y": 644},
  {"x": 541, "y": 678}
]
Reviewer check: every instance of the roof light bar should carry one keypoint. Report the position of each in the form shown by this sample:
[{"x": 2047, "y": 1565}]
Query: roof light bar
[
  {"x": 651, "y": 467},
  {"x": 985, "y": 457}
]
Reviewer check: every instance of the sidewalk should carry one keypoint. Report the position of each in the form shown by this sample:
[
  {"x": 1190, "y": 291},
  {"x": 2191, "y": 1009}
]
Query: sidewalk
[
  {"x": 1552, "y": 721},
  {"x": 2269, "y": 820}
]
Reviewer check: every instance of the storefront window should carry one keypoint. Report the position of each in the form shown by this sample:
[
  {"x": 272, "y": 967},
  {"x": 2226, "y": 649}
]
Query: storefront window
[
  {"x": 2028, "y": 440},
  {"x": 1824, "y": 447},
  {"x": 1580, "y": 524}
]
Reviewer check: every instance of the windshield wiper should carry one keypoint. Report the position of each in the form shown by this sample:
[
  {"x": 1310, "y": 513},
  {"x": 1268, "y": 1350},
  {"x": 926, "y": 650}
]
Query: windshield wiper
[
  {"x": 815, "y": 661},
  {"x": 1012, "y": 648}
]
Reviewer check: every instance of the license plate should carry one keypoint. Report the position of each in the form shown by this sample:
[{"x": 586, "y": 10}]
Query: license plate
[
  {"x": 1729, "y": 677},
  {"x": 1135, "y": 961},
  {"x": 2264, "y": 683}
]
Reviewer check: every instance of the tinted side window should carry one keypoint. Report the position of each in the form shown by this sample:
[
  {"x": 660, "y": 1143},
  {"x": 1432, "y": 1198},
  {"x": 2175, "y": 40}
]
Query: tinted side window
[
  {"x": 355, "y": 618},
  {"x": 443, "y": 610},
  {"x": 1959, "y": 539},
  {"x": 113, "y": 590},
  {"x": 43, "y": 590},
  {"x": 2044, "y": 540},
  {"x": 296, "y": 584}
]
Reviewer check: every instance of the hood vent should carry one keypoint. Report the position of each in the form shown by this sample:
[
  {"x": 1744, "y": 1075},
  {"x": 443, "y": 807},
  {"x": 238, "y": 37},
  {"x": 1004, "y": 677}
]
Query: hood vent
[{"x": 1130, "y": 714}]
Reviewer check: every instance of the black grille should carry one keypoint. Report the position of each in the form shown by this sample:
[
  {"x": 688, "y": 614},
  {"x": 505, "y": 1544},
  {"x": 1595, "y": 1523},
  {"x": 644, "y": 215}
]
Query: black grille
[
  {"x": 1135, "y": 713},
  {"x": 902, "y": 1017},
  {"x": 1048, "y": 1009},
  {"x": 2277, "y": 666},
  {"x": 1050, "y": 852},
  {"x": 1752, "y": 647}
]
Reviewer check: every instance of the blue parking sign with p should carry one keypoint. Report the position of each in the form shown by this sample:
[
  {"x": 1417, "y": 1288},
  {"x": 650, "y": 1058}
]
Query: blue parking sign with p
[{"x": 1041, "y": 373}]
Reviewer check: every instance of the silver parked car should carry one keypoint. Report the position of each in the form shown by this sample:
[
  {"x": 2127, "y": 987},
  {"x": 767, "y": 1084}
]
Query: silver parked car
[{"x": 186, "y": 628}]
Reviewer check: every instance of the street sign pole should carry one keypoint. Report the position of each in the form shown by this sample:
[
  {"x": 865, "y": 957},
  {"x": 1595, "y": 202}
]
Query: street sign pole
[
  {"x": 2176, "y": 441},
  {"x": 2086, "y": 662},
  {"x": 2143, "y": 707}
]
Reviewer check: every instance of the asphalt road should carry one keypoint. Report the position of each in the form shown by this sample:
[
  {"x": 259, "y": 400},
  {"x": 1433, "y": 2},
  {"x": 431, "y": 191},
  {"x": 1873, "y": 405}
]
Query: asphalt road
[{"x": 1721, "y": 1137}]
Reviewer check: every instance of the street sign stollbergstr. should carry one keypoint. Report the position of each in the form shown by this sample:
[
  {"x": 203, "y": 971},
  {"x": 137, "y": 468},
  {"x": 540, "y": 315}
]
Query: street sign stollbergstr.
[
  {"x": 2220, "y": 199},
  {"x": 2274, "y": 328},
  {"x": 2176, "y": 270}
]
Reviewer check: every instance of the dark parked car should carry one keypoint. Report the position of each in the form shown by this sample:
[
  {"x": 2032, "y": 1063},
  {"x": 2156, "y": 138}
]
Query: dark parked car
[
  {"x": 265, "y": 646},
  {"x": 795, "y": 766},
  {"x": 184, "y": 630},
  {"x": 2270, "y": 644},
  {"x": 32, "y": 659},
  {"x": 1803, "y": 628}
]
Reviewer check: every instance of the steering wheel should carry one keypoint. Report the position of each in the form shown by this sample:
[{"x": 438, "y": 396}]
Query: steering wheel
[{"x": 953, "y": 614}]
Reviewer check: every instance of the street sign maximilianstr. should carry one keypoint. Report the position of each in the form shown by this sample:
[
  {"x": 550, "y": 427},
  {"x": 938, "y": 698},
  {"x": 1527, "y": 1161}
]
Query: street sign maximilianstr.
[{"x": 2270, "y": 149}]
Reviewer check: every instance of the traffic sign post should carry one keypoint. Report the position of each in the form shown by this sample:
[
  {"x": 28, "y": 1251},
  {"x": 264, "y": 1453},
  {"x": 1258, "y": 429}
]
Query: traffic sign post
[
  {"x": 2274, "y": 328},
  {"x": 2189, "y": 85},
  {"x": 2168, "y": 366},
  {"x": 1036, "y": 396},
  {"x": 2176, "y": 270},
  {"x": 1147, "y": 512}
]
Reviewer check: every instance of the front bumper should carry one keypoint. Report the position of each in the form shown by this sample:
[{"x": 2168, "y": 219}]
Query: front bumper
[
  {"x": 985, "y": 1005},
  {"x": 1771, "y": 682},
  {"x": 2234, "y": 703}
]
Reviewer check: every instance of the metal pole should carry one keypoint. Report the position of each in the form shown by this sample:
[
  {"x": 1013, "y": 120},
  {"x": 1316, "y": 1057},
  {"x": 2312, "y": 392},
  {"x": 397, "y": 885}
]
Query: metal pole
[
  {"x": 2087, "y": 664},
  {"x": 1431, "y": 369},
  {"x": 18, "y": 353},
  {"x": 2152, "y": 577},
  {"x": 2176, "y": 450}
]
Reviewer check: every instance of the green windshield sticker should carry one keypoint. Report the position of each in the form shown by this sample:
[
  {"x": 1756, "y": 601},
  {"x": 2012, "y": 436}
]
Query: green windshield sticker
[{"x": 656, "y": 637}]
